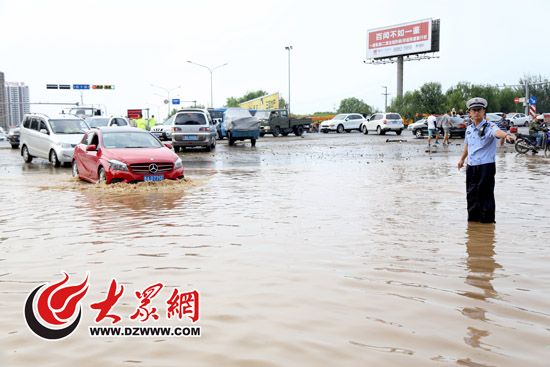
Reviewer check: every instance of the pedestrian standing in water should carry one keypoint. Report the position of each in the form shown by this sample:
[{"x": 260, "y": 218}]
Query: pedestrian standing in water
[{"x": 480, "y": 146}]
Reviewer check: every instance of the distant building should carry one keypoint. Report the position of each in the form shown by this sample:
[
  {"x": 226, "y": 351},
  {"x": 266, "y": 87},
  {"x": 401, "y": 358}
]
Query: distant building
[
  {"x": 3, "y": 115},
  {"x": 17, "y": 102}
]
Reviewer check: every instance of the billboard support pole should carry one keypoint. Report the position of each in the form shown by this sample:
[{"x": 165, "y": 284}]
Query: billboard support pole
[
  {"x": 526, "y": 98},
  {"x": 400, "y": 76}
]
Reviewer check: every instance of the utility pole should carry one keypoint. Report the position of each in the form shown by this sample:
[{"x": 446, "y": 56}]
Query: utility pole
[
  {"x": 386, "y": 94},
  {"x": 288, "y": 48}
]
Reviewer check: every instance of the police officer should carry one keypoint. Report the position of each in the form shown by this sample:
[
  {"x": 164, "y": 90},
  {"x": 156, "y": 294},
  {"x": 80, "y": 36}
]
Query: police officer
[
  {"x": 152, "y": 122},
  {"x": 141, "y": 123},
  {"x": 480, "y": 146}
]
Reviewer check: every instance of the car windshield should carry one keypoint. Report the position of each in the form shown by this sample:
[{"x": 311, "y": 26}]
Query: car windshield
[
  {"x": 341, "y": 116},
  {"x": 190, "y": 119},
  {"x": 98, "y": 122},
  {"x": 262, "y": 115},
  {"x": 169, "y": 120},
  {"x": 68, "y": 126},
  {"x": 216, "y": 114},
  {"x": 121, "y": 140}
]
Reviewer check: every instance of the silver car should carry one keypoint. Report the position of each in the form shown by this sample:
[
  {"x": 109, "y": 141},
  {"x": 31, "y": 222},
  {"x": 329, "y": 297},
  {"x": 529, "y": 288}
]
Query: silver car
[
  {"x": 51, "y": 137},
  {"x": 193, "y": 127}
]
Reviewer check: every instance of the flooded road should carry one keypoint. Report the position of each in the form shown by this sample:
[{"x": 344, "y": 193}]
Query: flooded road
[{"x": 327, "y": 250}]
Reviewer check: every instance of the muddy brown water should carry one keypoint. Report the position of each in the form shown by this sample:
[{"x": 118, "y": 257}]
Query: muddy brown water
[{"x": 325, "y": 250}]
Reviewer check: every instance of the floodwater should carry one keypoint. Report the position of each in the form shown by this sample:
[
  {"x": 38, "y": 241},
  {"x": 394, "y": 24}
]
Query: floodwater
[{"x": 327, "y": 250}]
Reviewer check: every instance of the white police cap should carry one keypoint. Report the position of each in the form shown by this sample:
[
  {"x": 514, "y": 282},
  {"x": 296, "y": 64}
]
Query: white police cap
[{"x": 476, "y": 103}]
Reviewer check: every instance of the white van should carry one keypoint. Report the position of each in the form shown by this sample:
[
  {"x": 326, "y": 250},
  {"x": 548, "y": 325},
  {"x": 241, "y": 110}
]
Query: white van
[{"x": 51, "y": 137}]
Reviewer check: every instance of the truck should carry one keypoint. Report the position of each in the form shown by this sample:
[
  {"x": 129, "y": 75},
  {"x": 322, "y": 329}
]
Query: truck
[{"x": 277, "y": 122}]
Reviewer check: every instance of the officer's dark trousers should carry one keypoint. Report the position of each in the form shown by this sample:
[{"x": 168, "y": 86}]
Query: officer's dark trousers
[{"x": 480, "y": 186}]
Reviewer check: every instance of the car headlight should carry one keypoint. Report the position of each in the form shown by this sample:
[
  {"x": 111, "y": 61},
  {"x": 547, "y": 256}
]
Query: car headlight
[
  {"x": 118, "y": 165},
  {"x": 178, "y": 163}
]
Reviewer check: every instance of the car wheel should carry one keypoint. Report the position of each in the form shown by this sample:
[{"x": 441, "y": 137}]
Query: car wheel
[
  {"x": 14, "y": 146},
  {"x": 398, "y": 132},
  {"x": 379, "y": 130},
  {"x": 365, "y": 130},
  {"x": 102, "y": 178},
  {"x": 214, "y": 144},
  {"x": 53, "y": 159},
  {"x": 253, "y": 142},
  {"x": 525, "y": 124},
  {"x": 299, "y": 131},
  {"x": 26, "y": 156},
  {"x": 340, "y": 129},
  {"x": 209, "y": 148},
  {"x": 75, "y": 169},
  {"x": 276, "y": 131},
  {"x": 418, "y": 133},
  {"x": 262, "y": 135}
]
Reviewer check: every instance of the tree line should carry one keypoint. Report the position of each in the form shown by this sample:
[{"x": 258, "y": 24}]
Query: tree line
[{"x": 430, "y": 98}]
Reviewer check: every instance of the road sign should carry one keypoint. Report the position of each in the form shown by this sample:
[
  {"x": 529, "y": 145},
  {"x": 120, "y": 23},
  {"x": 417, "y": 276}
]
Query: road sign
[
  {"x": 175, "y": 101},
  {"x": 52, "y": 86},
  {"x": 522, "y": 99},
  {"x": 166, "y": 101},
  {"x": 135, "y": 113},
  {"x": 64, "y": 86},
  {"x": 103, "y": 86},
  {"x": 81, "y": 86},
  {"x": 532, "y": 100},
  {"x": 516, "y": 100}
]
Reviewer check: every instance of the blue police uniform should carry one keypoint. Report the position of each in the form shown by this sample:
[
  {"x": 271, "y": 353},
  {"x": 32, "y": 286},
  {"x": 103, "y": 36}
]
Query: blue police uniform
[{"x": 480, "y": 171}]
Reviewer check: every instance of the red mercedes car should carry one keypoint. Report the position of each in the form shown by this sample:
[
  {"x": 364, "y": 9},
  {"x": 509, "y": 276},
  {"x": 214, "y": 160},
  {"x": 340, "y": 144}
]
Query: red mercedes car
[{"x": 124, "y": 154}]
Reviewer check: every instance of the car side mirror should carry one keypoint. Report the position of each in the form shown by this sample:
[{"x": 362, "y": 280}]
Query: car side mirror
[
  {"x": 44, "y": 131},
  {"x": 168, "y": 145},
  {"x": 91, "y": 148}
]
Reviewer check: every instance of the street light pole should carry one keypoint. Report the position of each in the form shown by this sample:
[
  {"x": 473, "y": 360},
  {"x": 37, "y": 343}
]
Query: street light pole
[
  {"x": 288, "y": 48},
  {"x": 168, "y": 91},
  {"x": 211, "y": 70},
  {"x": 386, "y": 94}
]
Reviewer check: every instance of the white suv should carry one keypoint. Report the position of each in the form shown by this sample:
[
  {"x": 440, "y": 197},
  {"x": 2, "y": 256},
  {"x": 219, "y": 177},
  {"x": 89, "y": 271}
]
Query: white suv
[
  {"x": 51, "y": 137},
  {"x": 343, "y": 122},
  {"x": 518, "y": 119},
  {"x": 384, "y": 122}
]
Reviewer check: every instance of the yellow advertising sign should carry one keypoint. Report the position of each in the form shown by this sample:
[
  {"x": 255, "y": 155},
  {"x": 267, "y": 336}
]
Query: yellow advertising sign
[{"x": 267, "y": 102}]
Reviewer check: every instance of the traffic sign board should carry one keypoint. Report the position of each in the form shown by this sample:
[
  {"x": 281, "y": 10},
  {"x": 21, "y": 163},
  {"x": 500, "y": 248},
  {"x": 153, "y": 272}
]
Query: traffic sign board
[
  {"x": 52, "y": 86},
  {"x": 81, "y": 86},
  {"x": 516, "y": 100},
  {"x": 175, "y": 101},
  {"x": 532, "y": 100}
]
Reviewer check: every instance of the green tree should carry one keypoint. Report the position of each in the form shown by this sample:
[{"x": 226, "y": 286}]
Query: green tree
[
  {"x": 431, "y": 98},
  {"x": 354, "y": 105}
]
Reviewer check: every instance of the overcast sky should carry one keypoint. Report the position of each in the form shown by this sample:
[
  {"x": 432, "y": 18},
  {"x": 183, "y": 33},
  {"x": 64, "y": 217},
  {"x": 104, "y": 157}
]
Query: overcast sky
[{"x": 133, "y": 44}]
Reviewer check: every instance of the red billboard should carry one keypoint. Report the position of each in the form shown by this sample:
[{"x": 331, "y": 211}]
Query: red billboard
[
  {"x": 401, "y": 39},
  {"x": 135, "y": 114}
]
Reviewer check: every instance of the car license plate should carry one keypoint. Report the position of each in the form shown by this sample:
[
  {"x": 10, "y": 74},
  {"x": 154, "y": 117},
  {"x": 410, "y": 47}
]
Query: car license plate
[
  {"x": 395, "y": 122},
  {"x": 154, "y": 178},
  {"x": 190, "y": 137}
]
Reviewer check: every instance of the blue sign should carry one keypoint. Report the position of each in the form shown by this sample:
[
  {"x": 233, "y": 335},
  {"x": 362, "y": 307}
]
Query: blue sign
[
  {"x": 175, "y": 101},
  {"x": 532, "y": 100},
  {"x": 81, "y": 86}
]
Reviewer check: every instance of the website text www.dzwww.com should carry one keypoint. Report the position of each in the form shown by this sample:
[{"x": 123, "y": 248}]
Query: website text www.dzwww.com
[{"x": 119, "y": 331}]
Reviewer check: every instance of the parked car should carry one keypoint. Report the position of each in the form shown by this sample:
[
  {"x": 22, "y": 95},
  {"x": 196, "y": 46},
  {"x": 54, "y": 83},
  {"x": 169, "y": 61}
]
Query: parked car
[
  {"x": 193, "y": 127},
  {"x": 417, "y": 127},
  {"x": 103, "y": 121},
  {"x": 458, "y": 128},
  {"x": 493, "y": 117},
  {"x": 517, "y": 119},
  {"x": 124, "y": 154},
  {"x": 343, "y": 122},
  {"x": 51, "y": 137},
  {"x": 163, "y": 131},
  {"x": 13, "y": 137},
  {"x": 384, "y": 122}
]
